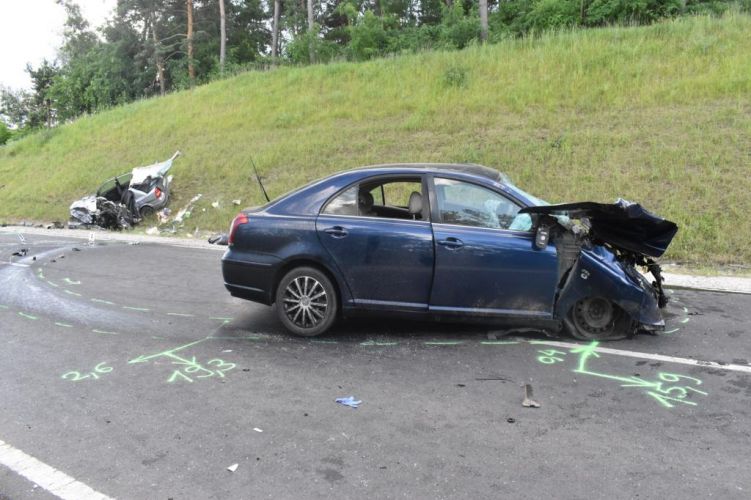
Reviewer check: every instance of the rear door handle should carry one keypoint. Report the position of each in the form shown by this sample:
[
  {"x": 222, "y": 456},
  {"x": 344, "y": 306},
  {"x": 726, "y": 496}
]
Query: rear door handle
[
  {"x": 336, "y": 232},
  {"x": 451, "y": 243}
]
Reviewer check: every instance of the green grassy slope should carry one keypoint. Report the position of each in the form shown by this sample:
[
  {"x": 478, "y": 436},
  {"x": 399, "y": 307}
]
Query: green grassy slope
[{"x": 658, "y": 114}]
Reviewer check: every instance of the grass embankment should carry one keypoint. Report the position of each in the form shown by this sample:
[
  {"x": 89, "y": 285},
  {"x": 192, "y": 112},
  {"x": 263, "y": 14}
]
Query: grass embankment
[{"x": 658, "y": 114}]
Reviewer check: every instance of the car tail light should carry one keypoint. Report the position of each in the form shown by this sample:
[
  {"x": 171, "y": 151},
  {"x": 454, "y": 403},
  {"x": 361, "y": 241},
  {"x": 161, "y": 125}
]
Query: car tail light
[
  {"x": 236, "y": 222},
  {"x": 158, "y": 192}
]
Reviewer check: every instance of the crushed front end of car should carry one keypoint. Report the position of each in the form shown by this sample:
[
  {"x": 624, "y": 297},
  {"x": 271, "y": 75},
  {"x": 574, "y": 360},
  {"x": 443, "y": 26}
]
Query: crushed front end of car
[{"x": 601, "y": 294}]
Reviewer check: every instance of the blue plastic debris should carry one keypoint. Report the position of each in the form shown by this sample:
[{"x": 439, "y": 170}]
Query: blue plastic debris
[{"x": 349, "y": 401}]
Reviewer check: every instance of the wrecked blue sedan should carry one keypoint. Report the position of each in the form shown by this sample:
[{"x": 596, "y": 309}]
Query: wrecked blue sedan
[{"x": 449, "y": 241}]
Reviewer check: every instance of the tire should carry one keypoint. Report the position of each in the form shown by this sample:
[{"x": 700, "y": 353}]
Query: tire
[
  {"x": 597, "y": 318},
  {"x": 146, "y": 211},
  {"x": 306, "y": 301}
]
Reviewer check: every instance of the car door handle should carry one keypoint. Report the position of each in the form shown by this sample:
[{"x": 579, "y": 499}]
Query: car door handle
[
  {"x": 336, "y": 232},
  {"x": 451, "y": 243}
]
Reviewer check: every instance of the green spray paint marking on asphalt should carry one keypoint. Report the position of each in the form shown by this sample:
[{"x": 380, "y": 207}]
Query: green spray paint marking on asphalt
[
  {"x": 64, "y": 325},
  {"x": 141, "y": 309},
  {"x": 27, "y": 316},
  {"x": 52, "y": 284},
  {"x": 220, "y": 318},
  {"x": 666, "y": 396},
  {"x": 100, "y": 301},
  {"x": 375, "y": 343},
  {"x": 99, "y": 369},
  {"x": 3, "y": 306},
  {"x": 189, "y": 368},
  {"x": 448, "y": 342},
  {"x": 71, "y": 282},
  {"x": 72, "y": 293},
  {"x": 499, "y": 342},
  {"x": 105, "y": 332},
  {"x": 181, "y": 314},
  {"x": 324, "y": 341},
  {"x": 236, "y": 338}
]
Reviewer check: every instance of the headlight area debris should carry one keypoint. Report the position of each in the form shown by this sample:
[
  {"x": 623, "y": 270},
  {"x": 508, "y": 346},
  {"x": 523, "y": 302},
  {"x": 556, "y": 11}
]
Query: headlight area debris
[{"x": 125, "y": 200}]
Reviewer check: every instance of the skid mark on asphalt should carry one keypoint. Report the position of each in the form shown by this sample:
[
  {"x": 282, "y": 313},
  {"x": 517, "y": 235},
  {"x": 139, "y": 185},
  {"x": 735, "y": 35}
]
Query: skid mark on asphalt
[{"x": 69, "y": 281}]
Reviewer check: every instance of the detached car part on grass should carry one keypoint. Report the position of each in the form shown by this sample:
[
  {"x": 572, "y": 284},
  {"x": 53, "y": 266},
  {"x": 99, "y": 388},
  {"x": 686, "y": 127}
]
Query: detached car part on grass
[
  {"x": 450, "y": 241},
  {"x": 125, "y": 200}
]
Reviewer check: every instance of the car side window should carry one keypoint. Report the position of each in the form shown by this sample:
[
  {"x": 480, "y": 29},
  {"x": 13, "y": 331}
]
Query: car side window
[
  {"x": 468, "y": 204},
  {"x": 383, "y": 198},
  {"x": 345, "y": 203}
]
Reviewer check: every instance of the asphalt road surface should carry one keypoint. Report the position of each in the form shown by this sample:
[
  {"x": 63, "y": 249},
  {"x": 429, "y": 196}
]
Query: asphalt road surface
[{"x": 129, "y": 372}]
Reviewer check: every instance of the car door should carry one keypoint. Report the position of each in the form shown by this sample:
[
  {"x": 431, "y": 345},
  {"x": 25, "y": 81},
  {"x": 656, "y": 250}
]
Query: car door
[
  {"x": 384, "y": 252},
  {"x": 485, "y": 259}
]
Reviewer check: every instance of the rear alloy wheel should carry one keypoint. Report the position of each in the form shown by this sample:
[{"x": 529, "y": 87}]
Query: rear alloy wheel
[
  {"x": 597, "y": 318},
  {"x": 306, "y": 302}
]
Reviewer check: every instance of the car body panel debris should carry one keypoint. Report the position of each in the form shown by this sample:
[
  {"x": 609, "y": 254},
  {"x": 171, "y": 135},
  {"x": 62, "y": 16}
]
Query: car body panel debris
[
  {"x": 123, "y": 201},
  {"x": 350, "y": 401},
  {"x": 528, "y": 402},
  {"x": 449, "y": 241}
]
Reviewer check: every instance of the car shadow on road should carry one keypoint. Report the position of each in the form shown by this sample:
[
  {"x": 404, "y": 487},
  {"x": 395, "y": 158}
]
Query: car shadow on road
[{"x": 362, "y": 329}]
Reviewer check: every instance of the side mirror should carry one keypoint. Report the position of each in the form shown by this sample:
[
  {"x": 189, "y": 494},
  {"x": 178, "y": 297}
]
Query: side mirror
[{"x": 542, "y": 236}]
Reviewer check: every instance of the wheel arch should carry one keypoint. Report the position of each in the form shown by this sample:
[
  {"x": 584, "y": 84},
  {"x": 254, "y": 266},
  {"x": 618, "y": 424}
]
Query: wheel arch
[{"x": 291, "y": 264}]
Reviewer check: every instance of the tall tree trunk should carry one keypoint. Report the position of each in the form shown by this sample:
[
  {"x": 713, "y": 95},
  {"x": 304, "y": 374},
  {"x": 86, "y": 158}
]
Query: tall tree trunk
[
  {"x": 157, "y": 55},
  {"x": 311, "y": 49},
  {"x": 191, "y": 68},
  {"x": 275, "y": 31},
  {"x": 223, "y": 36},
  {"x": 484, "y": 20}
]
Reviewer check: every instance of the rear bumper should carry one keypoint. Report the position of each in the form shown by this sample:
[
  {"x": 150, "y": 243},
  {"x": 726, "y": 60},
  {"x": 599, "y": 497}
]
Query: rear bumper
[{"x": 248, "y": 280}]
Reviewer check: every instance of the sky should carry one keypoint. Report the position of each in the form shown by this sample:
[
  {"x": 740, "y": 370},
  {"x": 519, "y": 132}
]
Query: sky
[{"x": 31, "y": 30}]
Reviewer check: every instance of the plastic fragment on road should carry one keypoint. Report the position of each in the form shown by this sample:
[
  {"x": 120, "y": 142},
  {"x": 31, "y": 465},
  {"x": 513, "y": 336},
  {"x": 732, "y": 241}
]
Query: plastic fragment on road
[
  {"x": 257, "y": 429},
  {"x": 215, "y": 204},
  {"x": 233, "y": 467},
  {"x": 236, "y": 202},
  {"x": 349, "y": 401},
  {"x": 528, "y": 401}
]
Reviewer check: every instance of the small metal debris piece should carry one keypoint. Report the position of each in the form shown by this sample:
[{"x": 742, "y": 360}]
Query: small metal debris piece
[
  {"x": 528, "y": 401},
  {"x": 233, "y": 467},
  {"x": 349, "y": 401}
]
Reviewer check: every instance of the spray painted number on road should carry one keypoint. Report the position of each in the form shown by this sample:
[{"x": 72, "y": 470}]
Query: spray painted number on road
[
  {"x": 190, "y": 369},
  {"x": 661, "y": 390},
  {"x": 193, "y": 369},
  {"x": 99, "y": 369}
]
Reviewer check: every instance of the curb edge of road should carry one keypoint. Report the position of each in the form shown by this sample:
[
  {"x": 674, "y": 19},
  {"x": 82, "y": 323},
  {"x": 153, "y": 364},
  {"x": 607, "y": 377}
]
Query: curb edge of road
[{"x": 727, "y": 284}]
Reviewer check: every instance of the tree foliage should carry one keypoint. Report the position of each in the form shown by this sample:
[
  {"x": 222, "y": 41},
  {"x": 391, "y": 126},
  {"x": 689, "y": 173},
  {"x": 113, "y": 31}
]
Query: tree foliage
[{"x": 142, "y": 50}]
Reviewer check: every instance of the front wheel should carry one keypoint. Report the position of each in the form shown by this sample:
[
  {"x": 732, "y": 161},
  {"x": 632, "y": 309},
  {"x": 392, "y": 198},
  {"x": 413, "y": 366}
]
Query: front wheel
[
  {"x": 306, "y": 302},
  {"x": 597, "y": 318}
]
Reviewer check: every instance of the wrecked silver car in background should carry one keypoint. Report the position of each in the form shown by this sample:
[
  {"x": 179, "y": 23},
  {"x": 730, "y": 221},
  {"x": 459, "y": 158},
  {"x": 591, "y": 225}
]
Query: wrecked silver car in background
[{"x": 125, "y": 200}]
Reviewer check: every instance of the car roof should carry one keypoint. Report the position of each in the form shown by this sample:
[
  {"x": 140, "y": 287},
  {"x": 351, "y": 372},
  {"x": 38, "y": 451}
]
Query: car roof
[{"x": 462, "y": 168}]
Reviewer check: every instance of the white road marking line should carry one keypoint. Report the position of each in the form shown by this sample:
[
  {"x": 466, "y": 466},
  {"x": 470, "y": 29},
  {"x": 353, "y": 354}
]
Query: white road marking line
[
  {"x": 646, "y": 355},
  {"x": 52, "y": 480}
]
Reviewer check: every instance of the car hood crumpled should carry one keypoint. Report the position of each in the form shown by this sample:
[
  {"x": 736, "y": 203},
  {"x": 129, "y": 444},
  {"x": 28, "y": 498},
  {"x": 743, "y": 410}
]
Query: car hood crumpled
[{"x": 623, "y": 224}]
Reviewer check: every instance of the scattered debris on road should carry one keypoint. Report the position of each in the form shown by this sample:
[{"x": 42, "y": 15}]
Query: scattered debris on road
[
  {"x": 21, "y": 253},
  {"x": 349, "y": 401},
  {"x": 257, "y": 429},
  {"x": 219, "y": 239},
  {"x": 528, "y": 401},
  {"x": 233, "y": 467}
]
